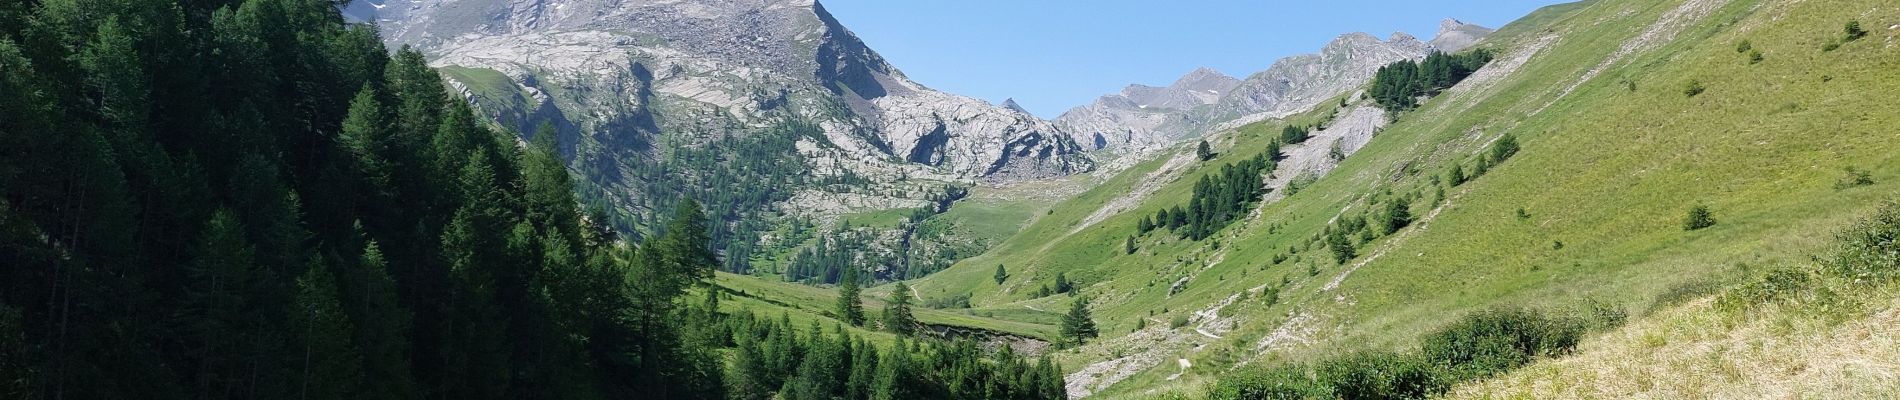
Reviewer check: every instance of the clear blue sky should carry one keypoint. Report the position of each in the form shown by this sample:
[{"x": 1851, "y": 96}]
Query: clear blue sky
[{"x": 1051, "y": 55}]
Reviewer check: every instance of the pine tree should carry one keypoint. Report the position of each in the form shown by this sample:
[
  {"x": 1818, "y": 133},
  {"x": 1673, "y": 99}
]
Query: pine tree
[
  {"x": 1078, "y": 326},
  {"x": 893, "y": 375},
  {"x": 850, "y": 307},
  {"x": 331, "y": 364},
  {"x": 859, "y": 385},
  {"x": 382, "y": 327},
  {"x": 1000, "y": 275},
  {"x": 1203, "y": 152},
  {"x": 897, "y": 316},
  {"x": 1129, "y": 245},
  {"x": 367, "y": 136},
  {"x": 1145, "y": 225},
  {"x": 550, "y": 192},
  {"x": 1062, "y": 283}
]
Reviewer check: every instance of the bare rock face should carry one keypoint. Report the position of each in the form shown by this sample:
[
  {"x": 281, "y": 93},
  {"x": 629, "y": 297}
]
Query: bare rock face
[
  {"x": 628, "y": 74},
  {"x": 1297, "y": 83},
  {"x": 1205, "y": 101},
  {"x": 1143, "y": 115},
  {"x": 1454, "y": 35}
]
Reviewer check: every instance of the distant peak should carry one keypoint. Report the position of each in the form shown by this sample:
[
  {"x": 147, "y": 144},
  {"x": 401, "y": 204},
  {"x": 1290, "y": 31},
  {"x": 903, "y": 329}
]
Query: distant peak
[
  {"x": 1010, "y": 103},
  {"x": 1449, "y": 24},
  {"x": 1202, "y": 76}
]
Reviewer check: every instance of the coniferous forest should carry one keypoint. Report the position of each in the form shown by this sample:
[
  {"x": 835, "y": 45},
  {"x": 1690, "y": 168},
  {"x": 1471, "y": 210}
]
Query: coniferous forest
[{"x": 256, "y": 199}]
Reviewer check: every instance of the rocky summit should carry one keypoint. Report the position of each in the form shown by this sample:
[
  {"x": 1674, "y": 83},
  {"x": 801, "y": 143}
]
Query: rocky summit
[
  {"x": 617, "y": 77},
  {"x": 1206, "y": 100}
]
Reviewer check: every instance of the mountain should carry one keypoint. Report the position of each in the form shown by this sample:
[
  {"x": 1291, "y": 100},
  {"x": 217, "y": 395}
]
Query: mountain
[
  {"x": 626, "y": 81},
  {"x": 1206, "y": 100},
  {"x": 1145, "y": 114},
  {"x": 1455, "y": 35},
  {"x": 1630, "y": 189}
]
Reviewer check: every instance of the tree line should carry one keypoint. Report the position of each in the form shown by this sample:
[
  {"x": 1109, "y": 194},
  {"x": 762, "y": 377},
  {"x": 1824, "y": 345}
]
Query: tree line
[
  {"x": 1218, "y": 200},
  {"x": 1398, "y": 86}
]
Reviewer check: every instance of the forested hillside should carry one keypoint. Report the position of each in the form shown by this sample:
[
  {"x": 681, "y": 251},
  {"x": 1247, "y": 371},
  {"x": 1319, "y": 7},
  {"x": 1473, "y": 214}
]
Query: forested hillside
[{"x": 255, "y": 199}]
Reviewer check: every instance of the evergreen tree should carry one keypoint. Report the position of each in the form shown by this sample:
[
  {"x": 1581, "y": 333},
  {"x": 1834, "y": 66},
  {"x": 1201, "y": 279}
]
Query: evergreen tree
[
  {"x": 1129, "y": 245},
  {"x": 382, "y": 327},
  {"x": 1078, "y": 326},
  {"x": 1000, "y": 274},
  {"x": 850, "y": 307},
  {"x": 1398, "y": 214},
  {"x": 864, "y": 369},
  {"x": 893, "y": 375},
  {"x": 897, "y": 317},
  {"x": 1062, "y": 283},
  {"x": 331, "y": 364},
  {"x": 1203, "y": 152}
]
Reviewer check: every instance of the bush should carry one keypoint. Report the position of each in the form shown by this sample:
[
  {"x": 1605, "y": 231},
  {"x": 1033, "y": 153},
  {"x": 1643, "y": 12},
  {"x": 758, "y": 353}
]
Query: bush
[
  {"x": 1494, "y": 341},
  {"x": 1744, "y": 46},
  {"x": 1699, "y": 217},
  {"x": 1693, "y": 88},
  {"x": 1854, "y": 32},
  {"x": 1776, "y": 286},
  {"x": 1378, "y": 375},
  {"x": 1285, "y": 381},
  {"x": 1178, "y": 321},
  {"x": 1755, "y": 57},
  {"x": 1870, "y": 250},
  {"x": 952, "y": 301},
  {"x": 1855, "y": 178}
]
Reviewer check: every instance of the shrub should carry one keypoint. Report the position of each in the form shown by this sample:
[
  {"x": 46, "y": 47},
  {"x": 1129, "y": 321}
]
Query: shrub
[
  {"x": 1494, "y": 341},
  {"x": 1855, "y": 178},
  {"x": 1693, "y": 88},
  {"x": 952, "y": 301},
  {"x": 1870, "y": 250},
  {"x": 1854, "y": 32},
  {"x": 1831, "y": 45},
  {"x": 1378, "y": 375},
  {"x": 1744, "y": 46},
  {"x": 1775, "y": 286},
  {"x": 1682, "y": 292},
  {"x": 1178, "y": 321},
  {"x": 1699, "y": 217},
  {"x": 1284, "y": 381},
  {"x": 1755, "y": 57}
]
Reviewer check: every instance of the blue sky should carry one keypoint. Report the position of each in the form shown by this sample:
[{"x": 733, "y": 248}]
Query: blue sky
[{"x": 1051, "y": 55}]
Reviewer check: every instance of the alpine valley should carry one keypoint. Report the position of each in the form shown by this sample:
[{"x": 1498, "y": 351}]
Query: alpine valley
[{"x": 741, "y": 199}]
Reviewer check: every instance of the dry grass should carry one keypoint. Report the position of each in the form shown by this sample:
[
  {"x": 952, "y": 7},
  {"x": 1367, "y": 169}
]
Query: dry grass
[{"x": 1696, "y": 351}]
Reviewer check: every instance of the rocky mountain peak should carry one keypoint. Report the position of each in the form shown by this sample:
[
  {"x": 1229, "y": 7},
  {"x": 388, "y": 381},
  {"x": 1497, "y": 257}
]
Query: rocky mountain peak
[
  {"x": 1455, "y": 35},
  {"x": 1011, "y": 104},
  {"x": 1205, "y": 78}
]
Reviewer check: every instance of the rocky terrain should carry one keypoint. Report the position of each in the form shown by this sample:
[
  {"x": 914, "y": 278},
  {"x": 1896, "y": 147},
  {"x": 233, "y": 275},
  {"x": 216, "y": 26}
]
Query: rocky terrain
[
  {"x": 620, "y": 77},
  {"x": 1205, "y": 100}
]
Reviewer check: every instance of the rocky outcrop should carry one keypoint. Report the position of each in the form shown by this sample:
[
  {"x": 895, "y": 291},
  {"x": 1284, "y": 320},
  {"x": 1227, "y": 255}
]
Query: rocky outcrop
[
  {"x": 1454, "y": 35},
  {"x": 1143, "y": 115},
  {"x": 698, "y": 70},
  {"x": 1297, "y": 83},
  {"x": 1205, "y": 101}
]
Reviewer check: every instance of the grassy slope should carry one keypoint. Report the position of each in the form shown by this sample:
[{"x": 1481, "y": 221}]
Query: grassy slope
[{"x": 1607, "y": 171}]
